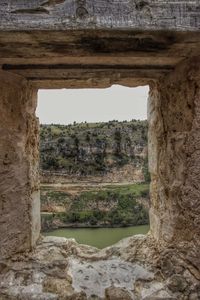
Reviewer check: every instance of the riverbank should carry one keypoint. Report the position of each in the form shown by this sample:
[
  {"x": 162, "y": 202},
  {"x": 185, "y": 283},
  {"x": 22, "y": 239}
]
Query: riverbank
[
  {"x": 87, "y": 226},
  {"x": 98, "y": 237},
  {"x": 106, "y": 206}
]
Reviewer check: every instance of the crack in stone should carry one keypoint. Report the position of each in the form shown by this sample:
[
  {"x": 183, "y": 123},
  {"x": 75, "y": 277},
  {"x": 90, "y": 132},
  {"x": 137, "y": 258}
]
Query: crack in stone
[
  {"x": 37, "y": 10},
  {"x": 40, "y": 9}
]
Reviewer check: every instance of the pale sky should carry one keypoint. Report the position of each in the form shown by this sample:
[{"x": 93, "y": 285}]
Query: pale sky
[{"x": 65, "y": 106}]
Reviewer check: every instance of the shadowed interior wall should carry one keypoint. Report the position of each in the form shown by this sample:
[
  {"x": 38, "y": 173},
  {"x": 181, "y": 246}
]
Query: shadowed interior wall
[
  {"x": 174, "y": 154},
  {"x": 19, "y": 185}
]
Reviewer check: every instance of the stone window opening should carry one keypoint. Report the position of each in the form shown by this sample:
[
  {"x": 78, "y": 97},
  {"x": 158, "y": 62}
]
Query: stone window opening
[
  {"x": 167, "y": 258},
  {"x": 60, "y": 182}
]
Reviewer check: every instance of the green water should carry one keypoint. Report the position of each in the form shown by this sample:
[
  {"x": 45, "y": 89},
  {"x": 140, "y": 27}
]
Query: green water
[{"x": 100, "y": 237}]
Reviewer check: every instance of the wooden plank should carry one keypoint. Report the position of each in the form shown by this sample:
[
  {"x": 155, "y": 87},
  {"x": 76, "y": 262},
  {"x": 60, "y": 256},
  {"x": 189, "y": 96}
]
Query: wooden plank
[
  {"x": 77, "y": 83},
  {"x": 65, "y": 72},
  {"x": 109, "y": 60}
]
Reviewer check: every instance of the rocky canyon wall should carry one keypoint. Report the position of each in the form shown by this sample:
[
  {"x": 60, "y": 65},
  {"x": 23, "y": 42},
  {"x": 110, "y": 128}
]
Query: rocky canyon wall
[{"x": 94, "y": 152}]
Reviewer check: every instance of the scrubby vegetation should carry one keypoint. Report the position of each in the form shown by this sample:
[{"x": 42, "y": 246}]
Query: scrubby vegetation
[
  {"x": 110, "y": 206},
  {"x": 93, "y": 149}
]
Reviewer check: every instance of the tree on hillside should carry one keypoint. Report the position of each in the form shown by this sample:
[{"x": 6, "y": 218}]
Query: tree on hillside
[{"x": 118, "y": 140}]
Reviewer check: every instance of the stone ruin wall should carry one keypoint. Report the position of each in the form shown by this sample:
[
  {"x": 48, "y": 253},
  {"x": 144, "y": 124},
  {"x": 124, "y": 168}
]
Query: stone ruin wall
[
  {"x": 174, "y": 148},
  {"x": 173, "y": 101},
  {"x": 169, "y": 256},
  {"x": 117, "y": 42},
  {"x": 173, "y": 151},
  {"x": 19, "y": 185}
]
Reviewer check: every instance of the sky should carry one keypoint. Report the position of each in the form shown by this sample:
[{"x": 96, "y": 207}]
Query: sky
[{"x": 64, "y": 106}]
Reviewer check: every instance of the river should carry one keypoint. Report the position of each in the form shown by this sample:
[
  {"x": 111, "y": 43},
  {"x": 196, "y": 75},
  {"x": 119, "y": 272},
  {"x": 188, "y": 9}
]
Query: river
[{"x": 99, "y": 237}]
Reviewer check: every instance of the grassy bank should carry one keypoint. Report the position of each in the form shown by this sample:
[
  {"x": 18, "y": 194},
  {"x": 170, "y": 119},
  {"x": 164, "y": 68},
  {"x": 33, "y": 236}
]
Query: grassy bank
[{"x": 124, "y": 205}]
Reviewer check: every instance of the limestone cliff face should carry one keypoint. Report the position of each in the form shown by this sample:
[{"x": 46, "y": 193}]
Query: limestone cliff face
[{"x": 108, "y": 152}]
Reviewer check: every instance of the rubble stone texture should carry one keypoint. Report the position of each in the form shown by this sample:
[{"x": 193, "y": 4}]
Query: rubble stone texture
[
  {"x": 45, "y": 44},
  {"x": 61, "y": 269}
]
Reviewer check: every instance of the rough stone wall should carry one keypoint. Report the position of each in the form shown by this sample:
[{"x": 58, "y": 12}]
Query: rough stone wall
[
  {"x": 19, "y": 188},
  {"x": 174, "y": 145}
]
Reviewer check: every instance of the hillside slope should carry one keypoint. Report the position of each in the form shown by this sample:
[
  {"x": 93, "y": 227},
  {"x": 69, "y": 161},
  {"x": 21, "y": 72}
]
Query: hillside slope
[
  {"x": 94, "y": 206},
  {"x": 113, "y": 151}
]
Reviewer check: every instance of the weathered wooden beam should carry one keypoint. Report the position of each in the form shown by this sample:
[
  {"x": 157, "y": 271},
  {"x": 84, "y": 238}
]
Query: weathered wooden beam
[
  {"x": 77, "y": 72},
  {"x": 92, "y": 14},
  {"x": 67, "y": 45},
  {"x": 88, "y": 76},
  {"x": 92, "y": 60},
  {"x": 93, "y": 82},
  {"x": 87, "y": 67}
]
